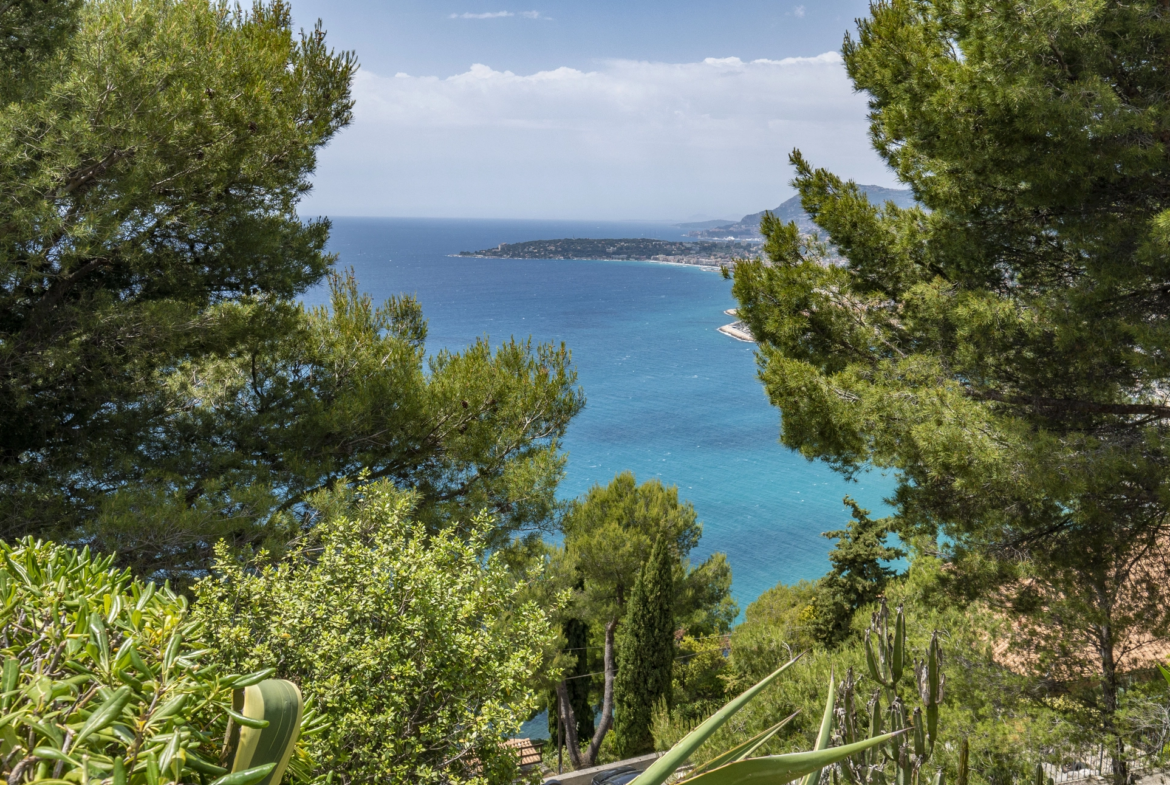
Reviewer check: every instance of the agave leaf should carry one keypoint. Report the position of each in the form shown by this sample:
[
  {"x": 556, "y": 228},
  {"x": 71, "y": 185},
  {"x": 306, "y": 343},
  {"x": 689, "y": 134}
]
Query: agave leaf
[
  {"x": 1165, "y": 673},
  {"x": 784, "y": 768},
  {"x": 826, "y": 731},
  {"x": 767, "y": 735},
  {"x": 277, "y": 704},
  {"x": 741, "y": 751},
  {"x": 661, "y": 769}
]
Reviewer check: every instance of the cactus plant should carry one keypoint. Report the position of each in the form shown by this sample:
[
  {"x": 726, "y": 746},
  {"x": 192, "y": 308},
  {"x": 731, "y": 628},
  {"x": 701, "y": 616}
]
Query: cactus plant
[
  {"x": 103, "y": 680},
  {"x": 886, "y": 660},
  {"x": 861, "y": 758}
]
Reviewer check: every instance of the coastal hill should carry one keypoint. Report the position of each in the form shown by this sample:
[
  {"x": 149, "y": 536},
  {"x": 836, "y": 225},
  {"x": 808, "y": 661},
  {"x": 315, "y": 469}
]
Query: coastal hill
[
  {"x": 705, "y": 254},
  {"x": 714, "y": 246},
  {"x": 747, "y": 229}
]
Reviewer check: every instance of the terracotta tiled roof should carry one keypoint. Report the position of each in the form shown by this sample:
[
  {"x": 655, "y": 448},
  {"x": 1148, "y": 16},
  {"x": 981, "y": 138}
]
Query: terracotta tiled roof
[
  {"x": 1134, "y": 650},
  {"x": 527, "y": 751}
]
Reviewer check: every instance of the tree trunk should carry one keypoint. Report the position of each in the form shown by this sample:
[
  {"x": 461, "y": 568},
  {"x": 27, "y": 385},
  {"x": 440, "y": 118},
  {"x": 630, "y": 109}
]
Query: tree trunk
[
  {"x": 606, "y": 696},
  {"x": 569, "y": 723},
  {"x": 1109, "y": 689},
  {"x": 569, "y": 717}
]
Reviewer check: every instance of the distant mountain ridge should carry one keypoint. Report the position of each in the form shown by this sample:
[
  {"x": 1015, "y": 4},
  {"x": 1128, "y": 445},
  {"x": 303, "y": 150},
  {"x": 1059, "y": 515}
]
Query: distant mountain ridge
[{"x": 748, "y": 227}]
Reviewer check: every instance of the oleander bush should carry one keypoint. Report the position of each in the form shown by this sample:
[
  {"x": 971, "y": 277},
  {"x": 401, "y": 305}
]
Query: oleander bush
[{"x": 105, "y": 678}]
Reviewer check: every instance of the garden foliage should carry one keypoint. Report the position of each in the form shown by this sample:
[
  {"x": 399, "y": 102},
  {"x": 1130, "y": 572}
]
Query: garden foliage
[
  {"x": 609, "y": 535},
  {"x": 105, "y": 678},
  {"x": 417, "y": 647},
  {"x": 1002, "y": 347}
]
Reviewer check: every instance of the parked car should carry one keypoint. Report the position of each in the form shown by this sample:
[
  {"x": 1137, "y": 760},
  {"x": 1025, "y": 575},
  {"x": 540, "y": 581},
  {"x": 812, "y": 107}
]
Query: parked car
[{"x": 622, "y": 775}]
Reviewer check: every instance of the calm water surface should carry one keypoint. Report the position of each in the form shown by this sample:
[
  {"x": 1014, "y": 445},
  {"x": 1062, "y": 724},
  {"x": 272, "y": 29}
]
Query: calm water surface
[{"x": 667, "y": 395}]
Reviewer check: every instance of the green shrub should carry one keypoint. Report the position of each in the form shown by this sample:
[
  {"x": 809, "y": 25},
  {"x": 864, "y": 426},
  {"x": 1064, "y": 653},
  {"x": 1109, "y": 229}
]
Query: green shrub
[
  {"x": 699, "y": 688},
  {"x": 417, "y": 648},
  {"x": 103, "y": 677}
]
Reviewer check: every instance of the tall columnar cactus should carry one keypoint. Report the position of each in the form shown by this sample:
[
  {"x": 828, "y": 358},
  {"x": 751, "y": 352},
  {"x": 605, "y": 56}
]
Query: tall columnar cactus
[{"x": 886, "y": 660}]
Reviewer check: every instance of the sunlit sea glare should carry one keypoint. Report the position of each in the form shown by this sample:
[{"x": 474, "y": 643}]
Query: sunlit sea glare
[{"x": 667, "y": 395}]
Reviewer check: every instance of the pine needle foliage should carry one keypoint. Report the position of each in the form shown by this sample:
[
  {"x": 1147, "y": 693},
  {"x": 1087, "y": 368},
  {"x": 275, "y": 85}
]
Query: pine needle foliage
[
  {"x": 155, "y": 361},
  {"x": 858, "y": 573},
  {"x": 1004, "y": 347}
]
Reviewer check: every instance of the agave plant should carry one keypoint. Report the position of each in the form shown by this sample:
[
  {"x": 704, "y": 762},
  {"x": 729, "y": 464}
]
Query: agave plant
[
  {"x": 860, "y": 758},
  {"x": 737, "y": 766},
  {"x": 102, "y": 681}
]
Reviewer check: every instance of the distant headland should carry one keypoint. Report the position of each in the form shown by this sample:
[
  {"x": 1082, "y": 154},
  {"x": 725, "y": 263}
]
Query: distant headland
[
  {"x": 747, "y": 229},
  {"x": 717, "y": 244},
  {"x": 701, "y": 253}
]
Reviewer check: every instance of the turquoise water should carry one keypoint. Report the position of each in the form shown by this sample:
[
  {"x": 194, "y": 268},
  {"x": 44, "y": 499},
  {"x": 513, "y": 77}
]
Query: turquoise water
[{"x": 667, "y": 395}]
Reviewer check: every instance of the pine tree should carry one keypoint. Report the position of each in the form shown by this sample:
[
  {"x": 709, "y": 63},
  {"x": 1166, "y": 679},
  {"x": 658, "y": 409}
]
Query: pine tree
[
  {"x": 858, "y": 573},
  {"x": 1002, "y": 348},
  {"x": 609, "y": 536},
  {"x": 162, "y": 386},
  {"x": 646, "y": 656}
]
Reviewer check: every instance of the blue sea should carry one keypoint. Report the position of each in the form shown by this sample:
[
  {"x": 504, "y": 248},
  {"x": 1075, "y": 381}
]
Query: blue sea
[{"x": 667, "y": 395}]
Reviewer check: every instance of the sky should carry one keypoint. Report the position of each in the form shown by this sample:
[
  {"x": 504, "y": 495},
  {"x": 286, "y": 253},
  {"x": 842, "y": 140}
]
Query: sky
[{"x": 600, "y": 110}]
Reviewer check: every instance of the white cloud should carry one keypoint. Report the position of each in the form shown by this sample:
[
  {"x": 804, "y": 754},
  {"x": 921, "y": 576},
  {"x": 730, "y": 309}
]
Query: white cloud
[
  {"x": 498, "y": 15},
  {"x": 631, "y": 139},
  {"x": 798, "y": 12}
]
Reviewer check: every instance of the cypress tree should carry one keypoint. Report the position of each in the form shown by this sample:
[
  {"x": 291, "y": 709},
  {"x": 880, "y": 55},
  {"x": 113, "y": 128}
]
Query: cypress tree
[{"x": 646, "y": 656}]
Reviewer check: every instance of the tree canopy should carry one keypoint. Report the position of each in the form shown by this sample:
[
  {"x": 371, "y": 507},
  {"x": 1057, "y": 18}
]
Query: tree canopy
[
  {"x": 1003, "y": 346},
  {"x": 418, "y": 648},
  {"x": 164, "y": 387},
  {"x": 858, "y": 574},
  {"x": 609, "y": 535}
]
